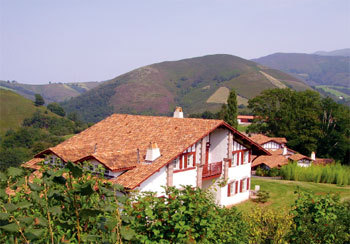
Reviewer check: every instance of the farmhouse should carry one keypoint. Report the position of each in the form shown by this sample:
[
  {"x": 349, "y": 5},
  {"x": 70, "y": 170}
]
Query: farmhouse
[
  {"x": 147, "y": 152},
  {"x": 245, "y": 119},
  {"x": 280, "y": 154}
]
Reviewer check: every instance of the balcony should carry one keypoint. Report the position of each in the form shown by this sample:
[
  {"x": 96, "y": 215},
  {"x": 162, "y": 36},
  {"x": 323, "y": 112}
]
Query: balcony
[{"x": 212, "y": 170}]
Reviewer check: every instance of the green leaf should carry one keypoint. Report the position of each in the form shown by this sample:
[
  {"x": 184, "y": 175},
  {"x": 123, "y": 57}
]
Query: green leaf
[
  {"x": 127, "y": 233},
  {"x": 35, "y": 187},
  {"x": 14, "y": 172},
  {"x": 85, "y": 189},
  {"x": 10, "y": 227},
  {"x": 43, "y": 222},
  {"x": 75, "y": 169},
  {"x": 10, "y": 207},
  {"x": 24, "y": 204},
  {"x": 55, "y": 210},
  {"x": 59, "y": 180},
  {"x": 86, "y": 213},
  {"x": 3, "y": 177},
  {"x": 90, "y": 238},
  {"x": 3, "y": 193},
  {"x": 26, "y": 220},
  {"x": 4, "y": 216},
  {"x": 34, "y": 234}
]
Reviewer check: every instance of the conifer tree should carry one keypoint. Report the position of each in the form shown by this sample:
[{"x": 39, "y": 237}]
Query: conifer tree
[{"x": 230, "y": 115}]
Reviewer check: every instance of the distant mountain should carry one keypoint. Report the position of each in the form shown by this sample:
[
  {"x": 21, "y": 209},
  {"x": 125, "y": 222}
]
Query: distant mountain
[
  {"x": 341, "y": 52},
  {"x": 55, "y": 92},
  {"x": 313, "y": 69},
  {"x": 196, "y": 84},
  {"x": 14, "y": 108}
]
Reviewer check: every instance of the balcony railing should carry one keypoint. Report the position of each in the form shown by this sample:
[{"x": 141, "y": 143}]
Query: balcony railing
[{"x": 212, "y": 169}]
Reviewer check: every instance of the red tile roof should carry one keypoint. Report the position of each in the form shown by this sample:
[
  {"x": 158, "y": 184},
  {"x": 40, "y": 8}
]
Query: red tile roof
[
  {"x": 272, "y": 161},
  {"x": 114, "y": 142},
  {"x": 262, "y": 139},
  {"x": 298, "y": 156},
  {"x": 245, "y": 117}
]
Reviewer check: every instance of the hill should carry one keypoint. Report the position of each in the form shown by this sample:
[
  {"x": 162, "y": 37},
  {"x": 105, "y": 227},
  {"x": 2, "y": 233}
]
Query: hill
[
  {"x": 196, "y": 84},
  {"x": 14, "y": 108},
  {"x": 341, "y": 52},
  {"x": 315, "y": 70},
  {"x": 54, "y": 92}
]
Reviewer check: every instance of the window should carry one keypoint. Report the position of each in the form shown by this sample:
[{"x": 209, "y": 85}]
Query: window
[
  {"x": 186, "y": 160},
  {"x": 246, "y": 157},
  {"x": 232, "y": 188},
  {"x": 177, "y": 163},
  {"x": 190, "y": 162},
  {"x": 234, "y": 159}
]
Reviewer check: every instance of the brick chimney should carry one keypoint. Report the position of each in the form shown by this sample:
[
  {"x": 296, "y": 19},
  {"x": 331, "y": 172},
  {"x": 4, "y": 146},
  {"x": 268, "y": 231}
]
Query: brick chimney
[
  {"x": 178, "y": 113},
  {"x": 153, "y": 152},
  {"x": 313, "y": 156}
]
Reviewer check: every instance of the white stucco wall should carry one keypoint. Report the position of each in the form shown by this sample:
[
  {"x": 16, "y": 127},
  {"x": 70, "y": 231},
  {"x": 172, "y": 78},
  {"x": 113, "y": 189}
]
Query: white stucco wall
[
  {"x": 155, "y": 183},
  {"x": 272, "y": 145},
  {"x": 236, "y": 173},
  {"x": 187, "y": 177},
  {"x": 218, "y": 145}
]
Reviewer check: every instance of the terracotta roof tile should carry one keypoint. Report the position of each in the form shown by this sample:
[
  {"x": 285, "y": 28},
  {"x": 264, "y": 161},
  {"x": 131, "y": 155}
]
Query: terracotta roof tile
[
  {"x": 32, "y": 164},
  {"x": 272, "y": 161},
  {"x": 298, "y": 156},
  {"x": 114, "y": 142},
  {"x": 262, "y": 139}
]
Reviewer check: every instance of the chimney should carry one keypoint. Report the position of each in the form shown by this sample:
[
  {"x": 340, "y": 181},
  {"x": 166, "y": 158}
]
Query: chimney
[
  {"x": 285, "y": 151},
  {"x": 178, "y": 113},
  {"x": 152, "y": 152},
  {"x": 313, "y": 156}
]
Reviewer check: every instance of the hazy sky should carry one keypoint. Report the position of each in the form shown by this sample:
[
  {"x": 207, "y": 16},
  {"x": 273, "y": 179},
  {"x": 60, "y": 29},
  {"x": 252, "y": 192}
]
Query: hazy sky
[{"x": 85, "y": 40}]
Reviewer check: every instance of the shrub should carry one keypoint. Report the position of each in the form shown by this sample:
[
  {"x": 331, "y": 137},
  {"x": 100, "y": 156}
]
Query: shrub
[
  {"x": 183, "y": 216},
  {"x": 262, "y": 196},
  {"x": 319, "y": 219},
  {"x": 267, "y": 226}
]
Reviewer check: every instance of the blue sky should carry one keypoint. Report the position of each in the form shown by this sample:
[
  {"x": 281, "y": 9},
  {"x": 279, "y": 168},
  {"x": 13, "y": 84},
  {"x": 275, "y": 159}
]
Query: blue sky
[{"x": 85, "y": 40}]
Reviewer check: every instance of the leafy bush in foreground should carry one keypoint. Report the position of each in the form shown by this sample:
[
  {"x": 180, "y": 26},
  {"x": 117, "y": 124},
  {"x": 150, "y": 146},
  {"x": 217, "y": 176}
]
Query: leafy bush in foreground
[
  {"x": 183, "y": 216},
  {"x": 63, "y": 206},
  {"x": 320, "y": 219}
]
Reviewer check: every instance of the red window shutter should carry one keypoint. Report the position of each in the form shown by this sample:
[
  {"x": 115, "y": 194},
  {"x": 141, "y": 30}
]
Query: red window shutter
[
  {"x": 230, "y": 163},
  {"x": 229, "y": 190},
  {"x": 236, "y": 190},
  {"x": 242, "y": 159},
  {"x": 194, "y": 159},
  {"x": 241, "y": 186},
  {"x": 248, "y": 181},
  {"x": 185, "y": 161}
]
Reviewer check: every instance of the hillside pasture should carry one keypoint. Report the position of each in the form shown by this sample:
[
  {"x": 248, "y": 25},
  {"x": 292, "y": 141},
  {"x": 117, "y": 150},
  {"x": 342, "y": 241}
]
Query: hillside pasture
[{"x": 336, "y": 90}]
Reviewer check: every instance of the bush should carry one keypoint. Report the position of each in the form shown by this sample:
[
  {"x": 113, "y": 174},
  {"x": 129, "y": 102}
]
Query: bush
[
  {"x": 183, "y": 216},
  {"x": 320, "y": 219},
  {"x": 262, "y": 196},
  {"x": 267, "y": 226}
]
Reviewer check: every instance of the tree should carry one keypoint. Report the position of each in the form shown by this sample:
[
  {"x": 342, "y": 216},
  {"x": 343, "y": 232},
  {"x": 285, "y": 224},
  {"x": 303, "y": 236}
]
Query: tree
[
  {"x": 56, "y": 108},
  {"x": 39, "y": 100},
  {"x": 309, "y": 122},
  {"x": 230, "y": 115}
]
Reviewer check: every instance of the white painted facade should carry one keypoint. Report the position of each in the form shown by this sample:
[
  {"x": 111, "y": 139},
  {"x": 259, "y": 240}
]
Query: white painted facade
[
  {"x": 155, "y": 183},
  {"x": 304, "y": 163},
  {"x": 272, "y": 145}
]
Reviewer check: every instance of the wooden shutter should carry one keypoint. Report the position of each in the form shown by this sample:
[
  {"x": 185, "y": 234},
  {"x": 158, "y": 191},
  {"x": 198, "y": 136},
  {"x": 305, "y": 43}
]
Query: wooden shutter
[
  {"x": 229, "y": 190},
  {"x": 241, "y": 186},
  {"x": 230, "y": 163},
  {"x": 236, "y": 190},
  {"x": 242, "y": 159},
  {"x": 248, "y": 181}
]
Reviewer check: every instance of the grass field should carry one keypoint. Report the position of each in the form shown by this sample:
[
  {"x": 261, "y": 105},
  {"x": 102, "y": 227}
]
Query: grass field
[
  {"x": 334, "y": 91},
  {"x": 282, "y": 192}
]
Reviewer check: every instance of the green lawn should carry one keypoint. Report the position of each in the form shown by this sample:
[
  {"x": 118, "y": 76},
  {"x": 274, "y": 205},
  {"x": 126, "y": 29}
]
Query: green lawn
[
  {"x": 282, "y": 192},
  {"x": 242, "y": 128}
]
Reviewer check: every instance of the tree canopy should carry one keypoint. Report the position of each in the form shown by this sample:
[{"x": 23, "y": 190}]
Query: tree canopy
[
  {"x": 230, "y": 113},
  {"x": 39, "y": 100},
  {"x": 309, "y": 122}
]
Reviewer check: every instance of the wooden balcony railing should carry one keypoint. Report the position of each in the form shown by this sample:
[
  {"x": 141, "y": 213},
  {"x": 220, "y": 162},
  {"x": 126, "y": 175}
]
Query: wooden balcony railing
[{"x": 212, "y": 169}]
